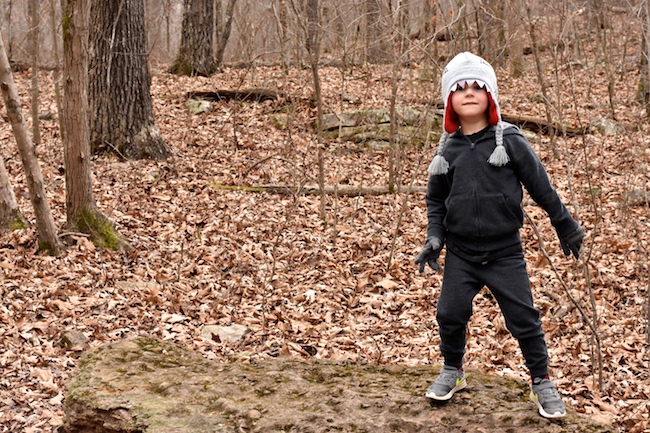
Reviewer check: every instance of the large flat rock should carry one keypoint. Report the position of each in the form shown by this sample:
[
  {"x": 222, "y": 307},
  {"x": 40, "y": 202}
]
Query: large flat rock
[{"x": 146, "y": 385}]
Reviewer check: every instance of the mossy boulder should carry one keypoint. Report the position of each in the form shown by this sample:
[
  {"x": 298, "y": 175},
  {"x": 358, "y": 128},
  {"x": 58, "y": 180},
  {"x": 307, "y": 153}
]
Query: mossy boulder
[
  {"x": 147, "y": 385},
  {"x": 364, "y": 126}
]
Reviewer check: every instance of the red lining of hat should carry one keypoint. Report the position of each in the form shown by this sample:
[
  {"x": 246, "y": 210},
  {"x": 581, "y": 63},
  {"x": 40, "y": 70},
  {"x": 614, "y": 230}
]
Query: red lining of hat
[{"x": 452, "y": 123}]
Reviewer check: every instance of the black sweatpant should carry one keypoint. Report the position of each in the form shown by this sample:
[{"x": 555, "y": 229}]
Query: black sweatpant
[{"x": 507, "y": 279}]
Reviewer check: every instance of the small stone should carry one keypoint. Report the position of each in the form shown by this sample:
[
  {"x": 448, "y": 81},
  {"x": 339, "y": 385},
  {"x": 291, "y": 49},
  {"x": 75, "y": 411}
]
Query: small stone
[
  {"x": 74, "y": 340},
  {"x": 231, "y": 334}
]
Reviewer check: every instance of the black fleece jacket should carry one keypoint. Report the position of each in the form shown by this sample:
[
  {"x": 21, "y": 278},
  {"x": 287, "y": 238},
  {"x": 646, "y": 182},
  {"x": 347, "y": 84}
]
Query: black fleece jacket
[{"x": 476, "y": 207}]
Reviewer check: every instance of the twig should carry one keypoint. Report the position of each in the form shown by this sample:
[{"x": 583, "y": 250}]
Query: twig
[
  {"x": 597, "y": 219},
  {"x": 268, "y": 158},
  {"x": 180, "y": 261},
  {"x": 403, "y": 209},
  {"x": 647, "y": 323},
  {"x": 584, "y": 315},
  {"x": 540, "y": 77},
  {"x": 280, "y": 231},
  {"x": 115, "y": 149},
  {"x": 72, "y": 234}
]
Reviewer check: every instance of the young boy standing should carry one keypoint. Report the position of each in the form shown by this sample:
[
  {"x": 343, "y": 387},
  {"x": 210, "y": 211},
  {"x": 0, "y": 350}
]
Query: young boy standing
[{"x": 473, "y": 202}]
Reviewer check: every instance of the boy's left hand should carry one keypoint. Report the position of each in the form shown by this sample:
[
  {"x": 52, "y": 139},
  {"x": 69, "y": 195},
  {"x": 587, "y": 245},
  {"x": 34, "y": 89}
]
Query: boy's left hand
[{"x": 573, "y": 242}]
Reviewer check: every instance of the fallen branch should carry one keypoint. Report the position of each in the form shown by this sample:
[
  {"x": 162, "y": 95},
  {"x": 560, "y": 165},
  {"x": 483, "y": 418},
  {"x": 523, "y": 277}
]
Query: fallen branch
[
  {"x": 339, "y": 190},
  {"x": 254, "y": 94},
  {"x": 537, "y": 124},
  {"x": 531, "y": 123}
]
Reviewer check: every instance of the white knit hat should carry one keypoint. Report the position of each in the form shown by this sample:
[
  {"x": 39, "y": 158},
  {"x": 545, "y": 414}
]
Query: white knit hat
[{"x": 468, "y": 68}]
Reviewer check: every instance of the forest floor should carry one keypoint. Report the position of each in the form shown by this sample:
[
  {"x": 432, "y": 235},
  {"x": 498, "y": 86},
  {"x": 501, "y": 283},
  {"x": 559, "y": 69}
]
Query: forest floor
[{"x": 341, "y": 289}]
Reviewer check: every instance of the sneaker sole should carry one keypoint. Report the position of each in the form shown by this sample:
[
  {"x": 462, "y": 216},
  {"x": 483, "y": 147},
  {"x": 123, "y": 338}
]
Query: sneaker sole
[
  {"x": 449, "y": 395},
  {"x": 541, "y": 410}
]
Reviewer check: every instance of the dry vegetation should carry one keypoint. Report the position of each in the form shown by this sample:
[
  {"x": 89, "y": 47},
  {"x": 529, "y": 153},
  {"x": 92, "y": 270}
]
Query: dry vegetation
[{"x": 203, "y": 254}]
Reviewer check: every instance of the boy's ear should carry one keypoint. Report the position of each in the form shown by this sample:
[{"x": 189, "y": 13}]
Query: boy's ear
[
  {"x": 451, "y": 123},
  {"x": 492, "y": 110}
]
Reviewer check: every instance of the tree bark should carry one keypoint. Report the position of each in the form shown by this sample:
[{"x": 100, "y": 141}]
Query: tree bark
[
  {"x": 195, "y": 56},
  {"x": 121, "y": 110},
  {"x": 47, "y": 234}
]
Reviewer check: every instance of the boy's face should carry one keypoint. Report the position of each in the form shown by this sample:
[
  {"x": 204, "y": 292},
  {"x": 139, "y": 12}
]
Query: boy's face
[{"x": 470, "y": 102}]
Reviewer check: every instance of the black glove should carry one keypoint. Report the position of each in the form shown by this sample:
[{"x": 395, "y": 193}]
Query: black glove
[
  {"x": 430, "y": 254},
  {"x": 572, "y": 242}
]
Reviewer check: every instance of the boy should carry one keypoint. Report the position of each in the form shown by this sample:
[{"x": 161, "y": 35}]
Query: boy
[{"x": 474, "y": 207}]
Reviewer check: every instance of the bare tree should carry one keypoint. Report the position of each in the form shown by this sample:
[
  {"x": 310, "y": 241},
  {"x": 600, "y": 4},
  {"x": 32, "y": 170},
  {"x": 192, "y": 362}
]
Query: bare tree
[
  {"x": 121, "y": 110},
  {"x": 515, "y": 42},
  {"x": 55, "y": 71},
  {"x": 313, "y": 48},
  {"x": 376, "y": 46},
  {"x": 280, "y": 11},
  {"x": 196, "y": 53},
  {"x": 491, "y": 30},
  {"x": 81, "y": 209},
  {"x": 532, "y": 22},
  {"x": 644, "y": 85},
  {"x": 223, "y": 33},
  {"x": 33, "y": 36},
  {"x": 47, "y": 235}
]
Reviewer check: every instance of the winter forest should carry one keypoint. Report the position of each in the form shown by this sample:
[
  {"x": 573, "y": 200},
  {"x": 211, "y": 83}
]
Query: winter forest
[{"x": 169, "y": 166}]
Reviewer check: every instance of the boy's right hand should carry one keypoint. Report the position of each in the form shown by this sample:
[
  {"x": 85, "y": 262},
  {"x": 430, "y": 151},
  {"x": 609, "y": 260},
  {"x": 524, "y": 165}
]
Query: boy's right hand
[{"x": 429, "y": 254}]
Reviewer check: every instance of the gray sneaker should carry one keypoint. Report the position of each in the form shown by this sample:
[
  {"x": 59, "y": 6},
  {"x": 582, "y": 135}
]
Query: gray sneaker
[
  {"x": 450, "y": 380},
  {"x": 548, "y": 401}
]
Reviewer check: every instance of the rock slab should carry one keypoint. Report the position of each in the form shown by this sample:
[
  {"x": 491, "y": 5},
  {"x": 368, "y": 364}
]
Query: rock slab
[{"x": 148, "y": 385}]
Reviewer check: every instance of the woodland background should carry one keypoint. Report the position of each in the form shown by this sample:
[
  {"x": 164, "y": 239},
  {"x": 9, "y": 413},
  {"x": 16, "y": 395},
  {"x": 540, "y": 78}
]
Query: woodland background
[{"x": 332, "y": 275}]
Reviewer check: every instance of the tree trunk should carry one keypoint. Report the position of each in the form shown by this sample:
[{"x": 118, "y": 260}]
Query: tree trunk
[
  {"x": 75, "y": 108},
  {"x": 224, "y": 34},
  {"x": 121, "y": 110},
  {"x": 81, "y": 210},
  {"x": 47, "y": 235},
  {"x": 195, "y": 56}
]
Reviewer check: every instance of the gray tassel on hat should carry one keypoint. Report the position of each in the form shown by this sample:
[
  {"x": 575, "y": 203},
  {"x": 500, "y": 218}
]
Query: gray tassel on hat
[
  {"x": 499, "y": 156},
  {"x": 439, "y": 164}
]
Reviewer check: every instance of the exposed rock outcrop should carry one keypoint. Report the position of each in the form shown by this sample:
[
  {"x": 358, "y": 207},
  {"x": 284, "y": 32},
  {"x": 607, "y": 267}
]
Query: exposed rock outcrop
[{"x": 146, "y": 385}]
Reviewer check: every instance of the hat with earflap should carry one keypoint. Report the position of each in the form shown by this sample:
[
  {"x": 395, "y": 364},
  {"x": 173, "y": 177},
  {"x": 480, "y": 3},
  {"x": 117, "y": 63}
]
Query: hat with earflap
[{"x": 466, "y": 69}]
